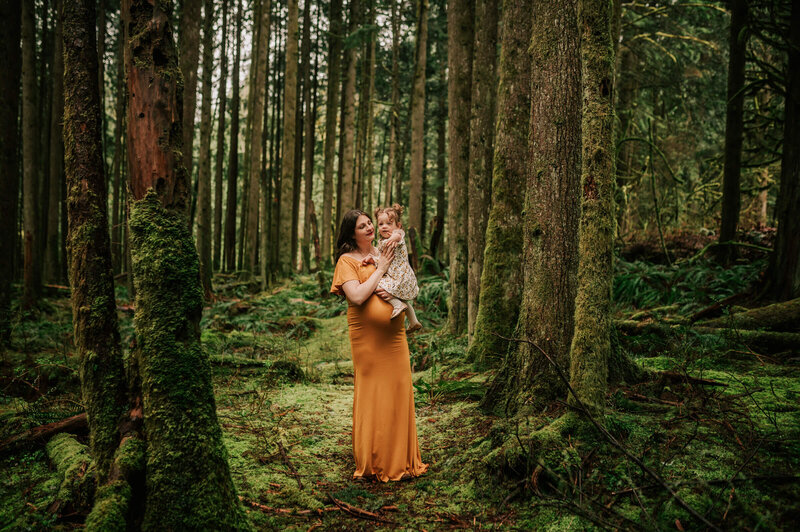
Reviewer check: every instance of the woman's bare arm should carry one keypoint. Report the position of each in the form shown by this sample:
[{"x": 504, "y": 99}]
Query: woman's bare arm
[{"x": 356, "y": 292}]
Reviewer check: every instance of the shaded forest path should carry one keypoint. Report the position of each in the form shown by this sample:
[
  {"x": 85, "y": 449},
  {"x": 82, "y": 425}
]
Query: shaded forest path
[{"x": 290, "y": 442}]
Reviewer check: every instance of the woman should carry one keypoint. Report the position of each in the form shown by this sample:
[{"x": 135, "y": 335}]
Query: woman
[{"x": 384, "y": 429}]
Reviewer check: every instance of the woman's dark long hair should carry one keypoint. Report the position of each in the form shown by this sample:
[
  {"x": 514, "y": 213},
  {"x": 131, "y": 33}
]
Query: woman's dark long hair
[{"x": 346, "y": 241}]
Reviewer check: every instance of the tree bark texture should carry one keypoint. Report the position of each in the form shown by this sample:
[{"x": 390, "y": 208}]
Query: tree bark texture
[
  {"x": 287, "y": 228},
  {"x": 10, "y": 26},
  {"x": 784, "y": 268},
  {"x": 501, "y": 278},
  {"x": 591, "y": 340},
  {"x": 460, "y": 42},
  {"x": 331, "y": 108},
  {"x": 94, "y": 309},
  {"x": 391, "y": 164},
  {"x": 52, "y": 267},
  {"x": 552, "y": 208},
  {"x": 347, "y": 138},
  {"x": 189, "y": 50},
  {"x": 204, "y": 229},
  {"x": 116, "y": 169},
  {"x": 223, "y": 100},
  {"x": 734, "y": 128},
  {"x": 188, "y": 483},
  {"x": 415, "y": 204},
  {"x": 30, "y": 188},
  {"x": 233, "y": 164},
  {"x": 308, "y": 125},
  {"x": 481, "y": 131},
  {"x": 367, "y": 178}
]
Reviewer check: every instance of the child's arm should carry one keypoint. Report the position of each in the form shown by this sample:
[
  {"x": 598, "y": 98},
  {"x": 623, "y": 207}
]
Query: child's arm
[{"x": 397, "y": 236}]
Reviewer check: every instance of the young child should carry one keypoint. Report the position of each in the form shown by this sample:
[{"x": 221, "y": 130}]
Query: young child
[{"x": 399, "y": 280}]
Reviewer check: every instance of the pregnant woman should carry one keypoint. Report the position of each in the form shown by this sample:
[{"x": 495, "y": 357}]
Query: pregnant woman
[{"x": 384, "y": 429}]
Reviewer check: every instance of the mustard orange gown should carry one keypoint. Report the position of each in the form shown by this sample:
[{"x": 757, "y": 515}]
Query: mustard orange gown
[{"x": 384, "y": 426}]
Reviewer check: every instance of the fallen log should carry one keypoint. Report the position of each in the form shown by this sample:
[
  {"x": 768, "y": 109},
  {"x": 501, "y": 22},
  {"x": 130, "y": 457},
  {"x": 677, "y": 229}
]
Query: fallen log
[
  {"x": 72, "y": 460},
  {"x": 782, "y": 317},
  {"x": 41, "y": 433},
  {"x": 768, "y": 341},
  {"x": 716, "y": 308}
]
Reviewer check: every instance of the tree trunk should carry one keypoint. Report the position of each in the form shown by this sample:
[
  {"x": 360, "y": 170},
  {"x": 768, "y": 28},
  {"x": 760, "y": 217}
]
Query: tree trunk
[
  {"x": 308, "y": 143},
  {"x": 188, "y": 482},
  {"x": 30, "y": 188},
  {"x": 116, "y": 229},
  {"x": 44, "y": 105},
  {"x": 287, "y": 228},
  {"x": 233, "y": 164},
  {"x": 734, "y": 127},
  {"x": 367, "y": 179},
  {"x": 441, "y": 171},
  {"x": 347, "y": 175},
  {"x": 391, "y": 164},
  {"x": 56, "y": 153},
  {"x": 460, "y": 42},
  {"x": 189, "y": 49},
  {"x": 256, "y": 132},
  {"x": 204, "y": 231},
  {"x": 331, "y": 107},
  {"x": 481, "y": 130},
  {"x": 552, "y": 210},
  {"x": 101, "y": 69},
  {"x": 784, "y": 267},
  {"x": 415, "y": 205},
  {"x": 591, "y": 341},
  {"x": 223, "y": 100},
  {"x": 501, "y": 279},
  {"x": 9, "y": 158}
]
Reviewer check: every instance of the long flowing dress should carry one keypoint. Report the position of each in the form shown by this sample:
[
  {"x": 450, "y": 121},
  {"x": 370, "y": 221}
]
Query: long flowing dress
[{"x": 384, "y": 427}]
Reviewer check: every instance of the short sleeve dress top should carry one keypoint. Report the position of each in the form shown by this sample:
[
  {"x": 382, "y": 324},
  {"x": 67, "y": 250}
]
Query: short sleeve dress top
[{"x": 384, "y": 428}]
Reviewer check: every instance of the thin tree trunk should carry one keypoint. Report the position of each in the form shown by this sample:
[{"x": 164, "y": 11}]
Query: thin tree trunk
[
  {"x": 367, "y": 175},
  {"x": 101, "y": 69},
  {"x": 287, "y": 229},
  {"x": 308, "y": 146},
  {"x": 56, "y": 153},
  {"x": 331, "y": 107},
  {"x": 233, "y": 164},
  {"x": 460, "y": 41},
  {"x": 481, "y": 130},
  {"x": 734, "y": 128},
  {"x": 44, "y": 105},
  {"x": 116, "y": 229},
  {"x": 347, "y": 176},
  {"x": 188, "y": 482},
  {"x": 552, "y": 211},
  {"x": 391, "y": 164},
  {"x": 415, "y": 205},
  {"x": 10, "y": 26},
  {"x": 501, "y": 278},
  {"x": 255, "y": 40},
  {"x": 94, "y": 310},
  {"x": 30, "y": 141},
  {"x": 189, "y": 49},
  {"x": 218, "y": 172},
  {"x": 441, "y": 173}
]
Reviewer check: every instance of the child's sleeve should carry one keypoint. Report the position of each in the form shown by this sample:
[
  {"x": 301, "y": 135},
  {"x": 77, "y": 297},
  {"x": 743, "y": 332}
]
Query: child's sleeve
[{"x": 345, "y": 271}]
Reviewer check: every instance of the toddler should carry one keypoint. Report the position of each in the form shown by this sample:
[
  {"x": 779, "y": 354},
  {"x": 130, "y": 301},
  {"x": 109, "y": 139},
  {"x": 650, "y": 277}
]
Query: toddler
[{"x": 399, "y": 280}]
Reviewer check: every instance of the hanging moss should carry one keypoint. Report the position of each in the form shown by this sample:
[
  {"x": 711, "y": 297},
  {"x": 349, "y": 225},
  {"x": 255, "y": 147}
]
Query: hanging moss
[{"x": 188, "y": 482}]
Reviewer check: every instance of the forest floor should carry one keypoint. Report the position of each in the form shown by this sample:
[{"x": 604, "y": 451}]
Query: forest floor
[{"x": 722, "y": 427}]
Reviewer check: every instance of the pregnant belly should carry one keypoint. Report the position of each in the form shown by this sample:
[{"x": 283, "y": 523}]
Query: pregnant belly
[{"x": 374, "y": 315}]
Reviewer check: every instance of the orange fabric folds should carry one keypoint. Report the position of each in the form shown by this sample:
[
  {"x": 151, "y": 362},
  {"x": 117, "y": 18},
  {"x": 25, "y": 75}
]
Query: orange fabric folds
[{"x": 384, "y": 427}]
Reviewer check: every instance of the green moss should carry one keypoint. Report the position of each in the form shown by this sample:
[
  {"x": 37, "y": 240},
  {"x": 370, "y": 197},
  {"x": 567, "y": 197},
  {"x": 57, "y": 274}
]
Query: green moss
[
  {"x": 73, "y": 462},
  {"x": 110, "y": 510}
]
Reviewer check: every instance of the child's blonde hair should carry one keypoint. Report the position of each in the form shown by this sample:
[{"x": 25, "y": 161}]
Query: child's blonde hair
[{"x": 394, "y": 212}]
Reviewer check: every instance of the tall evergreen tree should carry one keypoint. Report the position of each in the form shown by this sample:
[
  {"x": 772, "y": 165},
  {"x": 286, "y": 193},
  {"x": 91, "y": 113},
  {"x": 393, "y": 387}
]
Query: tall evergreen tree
[
  {"x": 30, "y": 188},
  {"x": 189, "y": 50},
  {"x": 415, "y": 204},
  {"x": 331, "y": 99},
  {"x": 391, "y": 164},
  {"x": 233, "y": 164},
  {"x": 222, "y": 106},
  {"x": 52, "y": 267}
]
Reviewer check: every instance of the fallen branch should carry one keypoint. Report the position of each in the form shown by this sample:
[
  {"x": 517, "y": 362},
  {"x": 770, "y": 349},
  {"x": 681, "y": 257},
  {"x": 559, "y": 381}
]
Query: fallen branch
[
  {"x": 358, "y": 512},
  {"x": 784, "y": 316},
  {"x": 289, "y": 465},
  {"x": 43, "y": 432}
]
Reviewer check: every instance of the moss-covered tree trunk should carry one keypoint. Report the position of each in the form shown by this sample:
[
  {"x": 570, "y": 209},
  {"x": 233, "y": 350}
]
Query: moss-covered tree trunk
[
  {"x": 287, "y": 227},
  {"x": 52, "y": 266},
  {"x": 481, "y": 131},
  {"x": 331, "y": 109},
  {"x": 188, "y": 483},
  {"x": 501, "y": 279},
  {"x": 591, "y": 340},
  {"x": 222, "y": 106},
  {"x": 189, "y": 50},
  {"x": 9, "y": 157},
  {"x": 391, "y": 164},
  {"x": 734, "y": 129},
  {"x": 415, "y": 205},
  {"x": 784, "y": 266},
  {"x": 233, "y": 164},
  {"x": 94, "y": 309},
  {"x": 30, "y": 199},
  {"x": 460, "y": 42},
  {"x": 204, "y": 170},
  {"x": 552, "y": 209}
]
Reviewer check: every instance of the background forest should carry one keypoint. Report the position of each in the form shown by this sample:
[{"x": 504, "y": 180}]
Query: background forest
[{"x": 602, "y": 207}]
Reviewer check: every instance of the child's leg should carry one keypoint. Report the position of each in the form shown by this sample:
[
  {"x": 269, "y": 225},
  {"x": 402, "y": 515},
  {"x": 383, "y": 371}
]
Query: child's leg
[
  {"x": 398, "y": 305},
  {"x": 413, "y": 322}
]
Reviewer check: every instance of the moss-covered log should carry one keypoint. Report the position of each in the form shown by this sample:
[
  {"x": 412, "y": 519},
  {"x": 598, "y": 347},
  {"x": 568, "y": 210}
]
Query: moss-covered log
[
  {"x": 94, "y": 311},
  {"x": 591, "y": 341},
  {"x": 188, "y": 482},
  {"x": 501, "y": 278},
  {"x": 74, "y": 463},
  {"x": 783, "y": 316}
]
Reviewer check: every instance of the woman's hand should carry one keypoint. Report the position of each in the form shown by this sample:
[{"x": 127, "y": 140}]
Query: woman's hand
[
  {"x": 387, "y": 255},
  {"x": 383, "y": 294}
]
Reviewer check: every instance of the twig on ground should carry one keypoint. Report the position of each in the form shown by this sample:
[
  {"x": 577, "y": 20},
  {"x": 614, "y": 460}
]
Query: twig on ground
[
  {"x": 289, "y": 465},
  {"x": 358, "y": 512}
]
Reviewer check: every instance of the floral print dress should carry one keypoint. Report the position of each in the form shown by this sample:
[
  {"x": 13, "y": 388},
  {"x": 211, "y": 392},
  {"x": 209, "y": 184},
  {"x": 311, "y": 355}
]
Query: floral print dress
[{"x": 399, "y": 279}]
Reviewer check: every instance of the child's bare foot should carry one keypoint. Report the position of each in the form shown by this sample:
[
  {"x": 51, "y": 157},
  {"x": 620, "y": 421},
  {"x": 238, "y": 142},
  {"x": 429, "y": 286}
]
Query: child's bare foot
[
  {"x": 413, "y": 327},
  {"x": 397, "y": 310}
]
